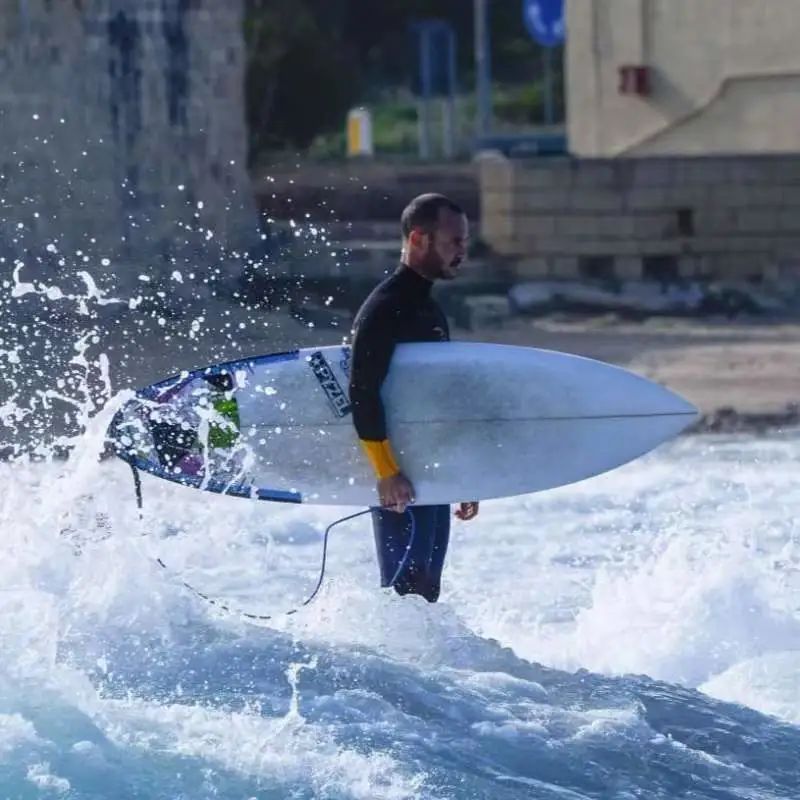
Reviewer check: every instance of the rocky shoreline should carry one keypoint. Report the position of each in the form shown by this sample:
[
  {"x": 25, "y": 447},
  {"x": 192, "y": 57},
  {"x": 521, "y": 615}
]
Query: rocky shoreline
[
  {"x": 743, "y": 375},
  {"x": 728, "y": 420}
]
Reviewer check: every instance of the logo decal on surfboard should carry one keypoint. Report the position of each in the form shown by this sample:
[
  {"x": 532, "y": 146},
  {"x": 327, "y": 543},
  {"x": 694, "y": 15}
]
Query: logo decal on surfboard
[
  {"x": 344, "y": 364},
  {"x": 327, "y": 380}
]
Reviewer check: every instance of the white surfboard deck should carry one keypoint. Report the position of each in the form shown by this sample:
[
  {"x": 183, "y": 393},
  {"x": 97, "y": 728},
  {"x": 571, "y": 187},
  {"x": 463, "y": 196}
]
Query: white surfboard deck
[{"x": 468, "y": 421}]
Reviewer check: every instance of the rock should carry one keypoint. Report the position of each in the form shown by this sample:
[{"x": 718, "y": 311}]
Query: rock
[
  {"x": 657, "y": 299},
  {"x": 485, "y": 309},
  {"x": 530, "y": 298},
  {"x": 731, "y": 299},
  {"x": 632, "y": 298},
  {"x": 729, "y": 420},
  {"x": 641, "y": 299}
]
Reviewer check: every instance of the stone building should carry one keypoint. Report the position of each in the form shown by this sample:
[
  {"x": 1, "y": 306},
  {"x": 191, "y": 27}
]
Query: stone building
[
  {"x": 122, "y": 123},
  {"x": 681, "y": 77},
  {"x": 684, "y": 143}
]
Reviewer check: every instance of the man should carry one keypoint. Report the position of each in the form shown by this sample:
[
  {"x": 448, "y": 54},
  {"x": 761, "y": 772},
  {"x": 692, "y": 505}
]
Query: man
[{"x": 401, "y": 309}]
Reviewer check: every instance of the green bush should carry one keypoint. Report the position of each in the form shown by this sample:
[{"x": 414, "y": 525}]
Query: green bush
[{"x": 309, "y": 61}]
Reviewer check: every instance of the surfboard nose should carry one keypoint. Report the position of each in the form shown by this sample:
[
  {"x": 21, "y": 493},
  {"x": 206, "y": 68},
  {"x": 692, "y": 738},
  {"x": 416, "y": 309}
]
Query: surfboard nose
[
  {"x": 630, "y": 392},
  {"x": 678, "y": 405},
  {"x": 673, "y": 413}
]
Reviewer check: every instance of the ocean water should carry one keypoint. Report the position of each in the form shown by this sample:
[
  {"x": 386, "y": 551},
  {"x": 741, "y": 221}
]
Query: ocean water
[{"x": 633, "y": 636}]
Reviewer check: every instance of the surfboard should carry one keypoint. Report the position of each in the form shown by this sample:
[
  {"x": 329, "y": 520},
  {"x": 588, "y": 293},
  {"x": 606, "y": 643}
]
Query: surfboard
[{"x": 468, "y": 421}]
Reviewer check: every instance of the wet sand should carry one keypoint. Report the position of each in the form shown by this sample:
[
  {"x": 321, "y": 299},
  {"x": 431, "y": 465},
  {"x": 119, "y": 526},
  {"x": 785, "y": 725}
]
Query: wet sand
[
  {"x": 742, "y": 375},
  {"x": 739, "y": 374}
]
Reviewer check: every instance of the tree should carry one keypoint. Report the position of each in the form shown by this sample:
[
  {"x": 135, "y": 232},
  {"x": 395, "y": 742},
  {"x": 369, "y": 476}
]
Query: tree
[
  {"x": 308, "y": 61},
  {"x": 301, "y": 73}
]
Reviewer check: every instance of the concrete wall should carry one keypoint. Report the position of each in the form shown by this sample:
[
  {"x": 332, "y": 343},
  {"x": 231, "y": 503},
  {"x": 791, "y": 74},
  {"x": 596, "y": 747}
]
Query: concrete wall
[
  {"x": 107, "y": 109},
  {"x": 725, "y": 77},
  {"x": 716, "y": 217}
]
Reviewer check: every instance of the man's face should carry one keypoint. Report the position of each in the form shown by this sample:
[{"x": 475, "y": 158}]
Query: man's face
[{"x": 442, "y": 252}]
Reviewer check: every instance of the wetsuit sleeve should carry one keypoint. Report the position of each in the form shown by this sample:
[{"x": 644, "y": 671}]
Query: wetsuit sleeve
[{"x": 373, "y": 346}]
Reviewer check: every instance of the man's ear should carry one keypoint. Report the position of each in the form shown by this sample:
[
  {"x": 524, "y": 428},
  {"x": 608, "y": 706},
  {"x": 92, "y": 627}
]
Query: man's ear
[{"x": 416, "y": 237}]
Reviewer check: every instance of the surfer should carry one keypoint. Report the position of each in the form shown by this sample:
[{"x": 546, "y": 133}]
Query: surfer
[{"x": 401, "y": 309}]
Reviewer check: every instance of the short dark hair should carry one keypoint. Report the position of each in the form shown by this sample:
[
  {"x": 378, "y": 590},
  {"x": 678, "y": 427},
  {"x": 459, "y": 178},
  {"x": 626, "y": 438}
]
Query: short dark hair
[{"x": 423, "y": 212}]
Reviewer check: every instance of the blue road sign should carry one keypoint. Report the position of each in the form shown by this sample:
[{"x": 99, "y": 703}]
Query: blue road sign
[{"x": 544, "y": 20}]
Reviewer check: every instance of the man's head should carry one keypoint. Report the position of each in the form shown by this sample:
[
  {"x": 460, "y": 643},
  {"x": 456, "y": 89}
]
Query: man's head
[{"x": 435, "y": 236}]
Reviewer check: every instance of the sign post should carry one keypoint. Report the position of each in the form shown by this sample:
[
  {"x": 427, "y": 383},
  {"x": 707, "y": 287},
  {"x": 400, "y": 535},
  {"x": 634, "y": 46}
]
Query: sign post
[
  {"x": 437, "y": 79},
  {"x": 544, "y": 20},
  {"x": 483, "y": 70}
]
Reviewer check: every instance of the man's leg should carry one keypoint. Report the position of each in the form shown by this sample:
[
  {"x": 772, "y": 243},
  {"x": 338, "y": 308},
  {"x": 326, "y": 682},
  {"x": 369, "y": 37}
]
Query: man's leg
[
  {"x": 393, "y": 534},
  {"x": 441, "y": 538}
]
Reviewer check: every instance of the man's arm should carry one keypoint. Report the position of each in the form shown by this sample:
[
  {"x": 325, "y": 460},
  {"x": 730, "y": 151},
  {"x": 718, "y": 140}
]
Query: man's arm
[{"x": 373, "y": 347}]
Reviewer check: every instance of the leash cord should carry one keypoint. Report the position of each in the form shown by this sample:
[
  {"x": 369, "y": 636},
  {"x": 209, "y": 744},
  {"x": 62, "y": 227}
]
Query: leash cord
[{"x": 137, "y": 483}]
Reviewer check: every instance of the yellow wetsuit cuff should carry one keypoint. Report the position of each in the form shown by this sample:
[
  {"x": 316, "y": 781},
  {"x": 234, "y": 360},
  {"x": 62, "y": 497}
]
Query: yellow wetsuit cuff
[{"x": 381, "y": 457}]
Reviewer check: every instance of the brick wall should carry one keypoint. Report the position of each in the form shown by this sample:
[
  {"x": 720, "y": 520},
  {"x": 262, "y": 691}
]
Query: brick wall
[{"x": 708, "y": 217}]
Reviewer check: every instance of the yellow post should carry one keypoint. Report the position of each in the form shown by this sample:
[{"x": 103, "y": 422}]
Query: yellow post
[{"x": 359, "y": 133}]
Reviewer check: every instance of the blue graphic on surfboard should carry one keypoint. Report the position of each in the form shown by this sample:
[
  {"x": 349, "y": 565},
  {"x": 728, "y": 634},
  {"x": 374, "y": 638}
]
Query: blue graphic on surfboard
[{"x": 468, "y": 421}]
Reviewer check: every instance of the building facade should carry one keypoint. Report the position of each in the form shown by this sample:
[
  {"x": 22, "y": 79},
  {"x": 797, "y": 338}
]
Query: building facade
[
  {"x": 123, "y": 133},
  {"x": 684, "y": 149},
  {"x": 680, "y": 77}
]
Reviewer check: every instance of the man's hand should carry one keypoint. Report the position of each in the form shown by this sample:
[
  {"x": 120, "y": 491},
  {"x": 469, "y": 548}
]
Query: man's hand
[
  {"x": 467, "y": 511},
  {"x": 395, "y": 492}
]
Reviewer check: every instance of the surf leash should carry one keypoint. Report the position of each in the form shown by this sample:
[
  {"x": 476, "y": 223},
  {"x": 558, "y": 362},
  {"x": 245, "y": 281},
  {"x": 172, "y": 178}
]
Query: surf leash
[{"x": 217, "y": 603}]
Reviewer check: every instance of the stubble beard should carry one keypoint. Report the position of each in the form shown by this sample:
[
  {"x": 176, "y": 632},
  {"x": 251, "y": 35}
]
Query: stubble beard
[{"x": 437, "y": 269}]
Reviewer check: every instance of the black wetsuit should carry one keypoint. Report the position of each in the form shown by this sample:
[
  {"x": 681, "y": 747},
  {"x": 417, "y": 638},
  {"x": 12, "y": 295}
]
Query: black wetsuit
[{"x": 400, "y": 309}]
